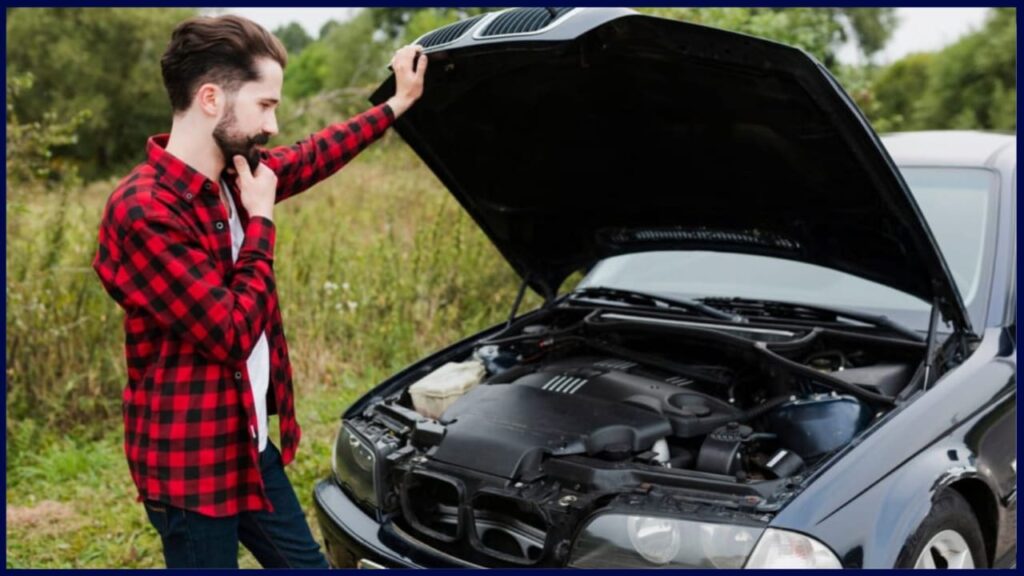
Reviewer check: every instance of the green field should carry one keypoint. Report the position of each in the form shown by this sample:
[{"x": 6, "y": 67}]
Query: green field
[{"x": 376, "y": 267}]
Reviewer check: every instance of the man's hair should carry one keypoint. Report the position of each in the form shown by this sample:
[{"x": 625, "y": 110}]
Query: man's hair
[{"x": 221, "y": 50}]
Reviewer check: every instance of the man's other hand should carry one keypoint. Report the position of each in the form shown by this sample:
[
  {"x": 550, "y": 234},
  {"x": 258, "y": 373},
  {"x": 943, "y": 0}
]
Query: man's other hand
[
  {"x": 410, "y": 66},
  {"x": 258, "y": 189}
]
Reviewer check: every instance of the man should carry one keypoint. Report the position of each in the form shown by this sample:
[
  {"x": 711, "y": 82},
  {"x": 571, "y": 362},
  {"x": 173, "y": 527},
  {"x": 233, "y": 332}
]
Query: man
[{"x": 186, "y": 247}]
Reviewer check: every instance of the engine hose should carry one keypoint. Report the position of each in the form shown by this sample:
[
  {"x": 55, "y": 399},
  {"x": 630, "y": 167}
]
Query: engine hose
[{"x": 748, "y": 414}]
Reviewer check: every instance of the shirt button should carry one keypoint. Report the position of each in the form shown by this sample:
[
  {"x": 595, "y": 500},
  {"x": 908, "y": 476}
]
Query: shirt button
[
  {"x": 188, "y": 196},
  {"x": 219, "y": 225},
  {"x": 207, "y": 186},
  {"x": 238, "y": 375}
]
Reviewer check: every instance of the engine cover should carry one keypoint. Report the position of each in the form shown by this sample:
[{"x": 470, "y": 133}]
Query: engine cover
[
  {"x": 692, "y": 413},
  {"x": 577, "y": 406},
  {"x": 505, "y": 429}
]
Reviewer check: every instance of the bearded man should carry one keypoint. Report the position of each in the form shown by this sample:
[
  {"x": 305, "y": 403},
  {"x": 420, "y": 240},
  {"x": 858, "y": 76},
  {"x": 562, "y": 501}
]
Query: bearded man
[{"x": 186, "y": 248}]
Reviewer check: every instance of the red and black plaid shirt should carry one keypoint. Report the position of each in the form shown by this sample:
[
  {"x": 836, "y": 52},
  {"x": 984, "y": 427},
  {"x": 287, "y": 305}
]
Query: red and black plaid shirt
[{"x": 192, "y": 318}]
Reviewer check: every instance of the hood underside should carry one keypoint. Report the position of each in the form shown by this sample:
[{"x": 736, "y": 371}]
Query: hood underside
[{"x": 611, "y": 132}]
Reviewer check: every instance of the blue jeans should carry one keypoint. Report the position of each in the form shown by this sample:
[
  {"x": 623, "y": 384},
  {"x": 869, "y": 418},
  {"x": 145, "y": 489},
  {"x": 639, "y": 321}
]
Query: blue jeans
[{"x": 281, "y": 539}]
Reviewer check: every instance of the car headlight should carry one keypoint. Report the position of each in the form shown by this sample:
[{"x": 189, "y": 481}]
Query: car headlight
[
  {"x": 628, "y": 541},
  {"x": 783, "y": 549},
  {"x": 354, "y": 463}
]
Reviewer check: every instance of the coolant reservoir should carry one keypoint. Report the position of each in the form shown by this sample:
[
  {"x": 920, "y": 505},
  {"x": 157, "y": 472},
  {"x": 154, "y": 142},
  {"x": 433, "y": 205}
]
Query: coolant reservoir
[{"x": 435, "y": 392}]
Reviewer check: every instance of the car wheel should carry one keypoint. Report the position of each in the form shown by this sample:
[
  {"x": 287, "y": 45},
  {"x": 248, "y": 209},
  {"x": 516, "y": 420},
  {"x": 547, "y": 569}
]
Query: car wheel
[{"x": 949, "y": 537}]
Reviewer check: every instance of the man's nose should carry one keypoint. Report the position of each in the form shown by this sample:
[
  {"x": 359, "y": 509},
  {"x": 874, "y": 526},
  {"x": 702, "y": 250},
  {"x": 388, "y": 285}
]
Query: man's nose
[{"x": 270, "y": 126}]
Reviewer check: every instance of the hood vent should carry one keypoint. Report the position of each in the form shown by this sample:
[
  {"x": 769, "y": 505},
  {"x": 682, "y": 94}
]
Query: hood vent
[
  {"x": 523, "y": 21},
  {"x": 702, "y": 235},
  {"x": 449, "y": 33},
  {"x": 564, "y": 384}
]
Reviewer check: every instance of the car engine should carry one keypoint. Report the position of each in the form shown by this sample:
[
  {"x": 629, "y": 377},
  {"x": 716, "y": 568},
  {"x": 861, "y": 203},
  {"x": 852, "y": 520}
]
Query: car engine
[{"x": 580, "y": 409}]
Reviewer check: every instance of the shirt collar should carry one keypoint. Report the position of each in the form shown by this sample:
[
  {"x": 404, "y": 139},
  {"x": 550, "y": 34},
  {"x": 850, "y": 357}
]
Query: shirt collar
[{"x": 176, "y": 174}]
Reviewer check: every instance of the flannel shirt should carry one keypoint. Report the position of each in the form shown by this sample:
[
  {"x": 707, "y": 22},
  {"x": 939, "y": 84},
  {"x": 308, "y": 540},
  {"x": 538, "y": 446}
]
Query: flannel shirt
[{"x": 192, "y": 318}]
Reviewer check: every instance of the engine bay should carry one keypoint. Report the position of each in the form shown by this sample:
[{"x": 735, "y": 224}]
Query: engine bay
[{"x": 578, "y": 408}]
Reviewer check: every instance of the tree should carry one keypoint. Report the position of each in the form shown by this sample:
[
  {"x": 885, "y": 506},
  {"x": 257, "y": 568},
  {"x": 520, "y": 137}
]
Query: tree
[
  {"x": 104, "y": 60},
  {"x": 973, "y": 82},
  {"x": 970, "y": 84},
  {"x": 897, "y": 92},
  {"x": 294, "y": 37},
  {"x": 819, "y": 31},
  {"x": 872, "y": 27},
  {"x": 327, "y": 27},
  {"x": 334, "y": 76},
  {"x": 30, "y": 145}
]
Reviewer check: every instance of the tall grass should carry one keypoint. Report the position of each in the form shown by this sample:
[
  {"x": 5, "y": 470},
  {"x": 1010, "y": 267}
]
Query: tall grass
[{"x": 375, "y": 267}]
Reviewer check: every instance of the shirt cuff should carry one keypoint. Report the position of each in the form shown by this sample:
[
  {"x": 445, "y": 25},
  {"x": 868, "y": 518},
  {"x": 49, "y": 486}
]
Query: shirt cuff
[
  {"x": 259, "y": 237},
  {"x": 386, "y": 108}
]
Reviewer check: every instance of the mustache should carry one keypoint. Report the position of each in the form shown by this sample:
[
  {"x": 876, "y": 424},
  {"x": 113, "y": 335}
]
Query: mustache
[
  {"x": 259, "y": 140},
  {"x": 253, "y": 156}
]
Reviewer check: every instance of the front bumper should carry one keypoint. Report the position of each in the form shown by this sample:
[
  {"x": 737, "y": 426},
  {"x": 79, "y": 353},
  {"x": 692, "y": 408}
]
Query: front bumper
[{"x": 350, "y": 535}]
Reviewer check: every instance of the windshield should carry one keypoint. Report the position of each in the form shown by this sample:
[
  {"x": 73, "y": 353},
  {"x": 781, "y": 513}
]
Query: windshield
[{"x": 958, "y": 203}]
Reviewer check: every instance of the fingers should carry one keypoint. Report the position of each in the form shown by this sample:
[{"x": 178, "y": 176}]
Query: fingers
[
  {"x": 242, "y": 167},
  {"x": 405, "y": 57},
  {"x": 421, "y": 67}
]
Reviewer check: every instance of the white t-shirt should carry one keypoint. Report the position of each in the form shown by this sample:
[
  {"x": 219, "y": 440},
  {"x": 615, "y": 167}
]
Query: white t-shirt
[{"x": 259, "y": 359}]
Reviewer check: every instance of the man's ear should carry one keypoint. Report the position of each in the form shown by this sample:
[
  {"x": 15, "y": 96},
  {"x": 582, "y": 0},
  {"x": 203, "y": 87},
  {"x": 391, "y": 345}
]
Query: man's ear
[{"x": 210, "y": 99}]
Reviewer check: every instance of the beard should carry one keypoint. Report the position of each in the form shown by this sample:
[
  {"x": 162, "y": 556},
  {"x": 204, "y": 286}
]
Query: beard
[{"x": 232, "y": 144}]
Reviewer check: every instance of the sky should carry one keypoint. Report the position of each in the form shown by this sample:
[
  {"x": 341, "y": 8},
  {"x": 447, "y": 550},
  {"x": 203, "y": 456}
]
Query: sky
[{"x": 919, "y": 29}]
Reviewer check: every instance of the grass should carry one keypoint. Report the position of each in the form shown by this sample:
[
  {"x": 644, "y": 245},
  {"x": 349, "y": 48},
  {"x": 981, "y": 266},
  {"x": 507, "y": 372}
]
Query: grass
[{"x": 376, "y": 267}]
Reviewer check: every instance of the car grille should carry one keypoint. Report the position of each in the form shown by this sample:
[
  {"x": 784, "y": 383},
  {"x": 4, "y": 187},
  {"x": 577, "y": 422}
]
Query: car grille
[
  {"x": 522, "y": 20},
  {"x": 449, "y": 33},
  {"x": 495, "y": 526}
]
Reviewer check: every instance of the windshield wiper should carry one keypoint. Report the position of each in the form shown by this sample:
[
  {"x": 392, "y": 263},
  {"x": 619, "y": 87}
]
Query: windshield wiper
[
  {"x": 753, "y": 309},
  {"x": 635, "y": 298}
]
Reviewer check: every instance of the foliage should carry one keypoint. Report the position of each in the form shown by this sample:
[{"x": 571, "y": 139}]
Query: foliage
[
  {"x": 294, "y": 38},
  {"x": 307, "y": 71},
  {"x": 30, "y": 145},
  {"x": 327, "y": 27},
  {"x": 819, "y": 31},
  {"x": 970, "y": 84},
  {"x": 897, "y": 93},
  {"x": 872, "y": 27},
  {"x": 349, "y": 55},
  {"x": 106, "y": 61},
  {"x": 973, "y": 82}
]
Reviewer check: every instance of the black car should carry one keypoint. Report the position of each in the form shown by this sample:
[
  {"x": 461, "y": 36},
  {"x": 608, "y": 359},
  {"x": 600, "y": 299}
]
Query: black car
[{"x": 789, "y": 349}]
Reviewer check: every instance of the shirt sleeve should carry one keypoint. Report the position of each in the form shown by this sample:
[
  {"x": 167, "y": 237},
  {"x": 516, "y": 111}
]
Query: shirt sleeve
[
  {"x": 300, "y": 166},
  {"x": 166, "y": 271}
]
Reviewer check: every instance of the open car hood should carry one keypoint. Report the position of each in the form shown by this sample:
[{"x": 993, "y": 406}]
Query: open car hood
[{"x": 571, "y": 135}]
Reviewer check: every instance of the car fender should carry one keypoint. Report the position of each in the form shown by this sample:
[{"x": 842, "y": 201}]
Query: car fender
[{"x": 867, "y": 501}]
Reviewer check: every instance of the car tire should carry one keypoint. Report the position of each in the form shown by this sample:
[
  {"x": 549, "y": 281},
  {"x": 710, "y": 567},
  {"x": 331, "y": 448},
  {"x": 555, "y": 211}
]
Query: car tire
[{"x": 948, "y": 535}]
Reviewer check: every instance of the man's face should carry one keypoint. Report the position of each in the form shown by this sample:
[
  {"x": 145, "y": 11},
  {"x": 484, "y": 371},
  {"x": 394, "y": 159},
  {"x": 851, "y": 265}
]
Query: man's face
[{"x": 249, "y": 118}]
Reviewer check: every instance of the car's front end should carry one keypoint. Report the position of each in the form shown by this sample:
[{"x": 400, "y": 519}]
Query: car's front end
[
  {"x": 630, "y": 422},
  {"x": 592, "y": 456}
]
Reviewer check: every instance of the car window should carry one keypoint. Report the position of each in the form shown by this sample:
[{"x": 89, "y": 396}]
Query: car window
[{"x": 957, "y": 203}]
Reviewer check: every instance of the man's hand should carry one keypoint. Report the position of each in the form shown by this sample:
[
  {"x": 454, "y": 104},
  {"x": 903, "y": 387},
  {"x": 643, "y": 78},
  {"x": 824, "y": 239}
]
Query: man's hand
[
  {"x": 258, "y": 190},
  {"x": 408, "y": 81}
]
